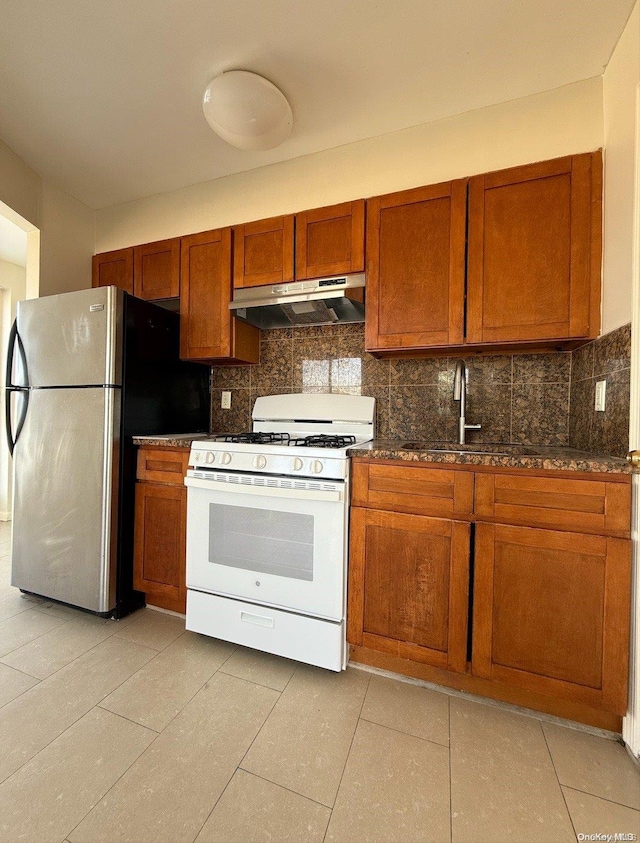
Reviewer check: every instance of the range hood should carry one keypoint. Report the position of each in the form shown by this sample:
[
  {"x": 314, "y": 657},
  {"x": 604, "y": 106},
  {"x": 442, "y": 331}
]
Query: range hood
[{"x": 323, "y": 301}]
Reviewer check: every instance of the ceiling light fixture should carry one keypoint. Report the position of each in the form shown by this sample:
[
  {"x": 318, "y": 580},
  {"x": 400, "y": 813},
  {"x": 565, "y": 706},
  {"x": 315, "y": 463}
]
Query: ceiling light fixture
[{"x": 247, "y": 110}]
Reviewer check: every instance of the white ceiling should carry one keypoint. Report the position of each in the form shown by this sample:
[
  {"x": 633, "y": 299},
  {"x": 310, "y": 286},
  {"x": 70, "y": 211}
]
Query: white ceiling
[
  {"x": 13, "y": 242},
  {"x": 103, "y": 98}
]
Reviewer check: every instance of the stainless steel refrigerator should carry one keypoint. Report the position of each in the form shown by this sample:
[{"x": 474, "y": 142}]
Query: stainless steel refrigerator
[{"x": 85, "y": 372}]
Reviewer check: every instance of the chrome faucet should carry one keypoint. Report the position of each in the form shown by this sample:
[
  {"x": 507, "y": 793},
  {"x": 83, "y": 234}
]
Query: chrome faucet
[{"x": 460, "y": 394}]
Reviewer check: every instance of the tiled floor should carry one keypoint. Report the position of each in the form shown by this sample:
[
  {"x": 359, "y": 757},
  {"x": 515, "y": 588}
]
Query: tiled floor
[{"x": 139, "y": 731}]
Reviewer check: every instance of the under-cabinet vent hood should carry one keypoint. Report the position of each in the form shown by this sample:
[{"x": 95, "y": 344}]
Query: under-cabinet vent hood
[{"x": 323, "y": 301}]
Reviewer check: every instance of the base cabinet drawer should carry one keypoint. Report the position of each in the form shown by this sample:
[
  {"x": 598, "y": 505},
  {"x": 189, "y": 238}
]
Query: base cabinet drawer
[
  {"x": 551, "y": 613},
  {"x": 419, "y": 489},
  {"x": 581, "y": 505}
]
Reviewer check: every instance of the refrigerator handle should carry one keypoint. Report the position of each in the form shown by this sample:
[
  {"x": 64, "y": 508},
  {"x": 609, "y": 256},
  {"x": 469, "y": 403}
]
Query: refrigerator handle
[{"x": 14, "y": 337}]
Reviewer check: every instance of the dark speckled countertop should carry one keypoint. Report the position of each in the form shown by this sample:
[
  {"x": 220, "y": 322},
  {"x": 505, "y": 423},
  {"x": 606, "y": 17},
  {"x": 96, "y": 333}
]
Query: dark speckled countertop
[
  {"x": 495, "y": 455},
  {"x": 170, "y": 440}
]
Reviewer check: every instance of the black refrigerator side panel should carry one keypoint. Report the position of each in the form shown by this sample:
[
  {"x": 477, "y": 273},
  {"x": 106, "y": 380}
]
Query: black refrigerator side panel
[{"x": 160, "y": 394}]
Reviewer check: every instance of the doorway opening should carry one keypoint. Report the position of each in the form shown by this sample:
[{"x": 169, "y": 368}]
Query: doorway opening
[{"x": 19, "y": 279}]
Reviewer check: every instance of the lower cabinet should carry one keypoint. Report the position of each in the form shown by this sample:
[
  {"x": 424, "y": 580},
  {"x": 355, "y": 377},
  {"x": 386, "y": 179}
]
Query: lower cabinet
[
  {"x": 160, "y": 532},
  {"x": 534, "y": 616},
  {"x": 409, "y": 586}
]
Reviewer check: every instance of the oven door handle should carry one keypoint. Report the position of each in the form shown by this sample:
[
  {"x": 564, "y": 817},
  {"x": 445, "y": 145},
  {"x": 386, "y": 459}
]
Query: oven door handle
[{"x": 266, "y": 491}]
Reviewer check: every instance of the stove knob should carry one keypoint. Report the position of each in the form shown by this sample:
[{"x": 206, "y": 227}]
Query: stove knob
[
  {"x": 210, "y": 457},
  {"x": 225, "y": 459},
  {"x": 316, "y": 466},
  {"x": 297, "y": 464},
  {"x": 260, "y": 461}
]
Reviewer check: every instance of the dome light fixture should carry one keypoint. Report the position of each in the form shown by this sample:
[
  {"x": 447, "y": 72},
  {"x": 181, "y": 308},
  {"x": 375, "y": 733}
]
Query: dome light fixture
[{"x": 247, "y": 110}]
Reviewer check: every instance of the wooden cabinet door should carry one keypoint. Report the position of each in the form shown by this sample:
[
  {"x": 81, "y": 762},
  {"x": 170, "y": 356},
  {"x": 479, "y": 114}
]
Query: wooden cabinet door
[
  {"x": 207, "y": 329},
  {"x": 415, "y": 268},
  {"x": 409, "y": 586},
  {"x": 113, "y": 269},
  {"x": 263, "y": 252},
  {"x": 551, "y": 613},
  {"x": 160, "y": 544},
  {"x": 330, "y": 241},
  {"x": 534, "y": 252},
  {"x": 156, "y": 270}
]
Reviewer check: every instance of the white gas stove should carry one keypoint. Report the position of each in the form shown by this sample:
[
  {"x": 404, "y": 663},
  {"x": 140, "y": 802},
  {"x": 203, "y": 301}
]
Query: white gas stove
[{"x": 267, "y": 527}]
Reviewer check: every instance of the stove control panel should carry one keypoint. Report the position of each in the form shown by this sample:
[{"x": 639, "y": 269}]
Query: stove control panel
[{"x": 270, "y": 463}]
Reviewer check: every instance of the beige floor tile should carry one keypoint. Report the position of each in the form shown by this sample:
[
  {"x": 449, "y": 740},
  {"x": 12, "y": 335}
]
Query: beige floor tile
[
  {"x": 304, "y": 744},
  {"x": 30, "y": 722},
  {"x": 23, "y": 628},
  {"x": 13, "y": 683},
  {"x": 252, "y": 810},
  {"x": 156, "y": 693},
  {"x": 169, "y": 792},
  {"x": 152, "y": 629},
  {"x": 592, "y": 815},
  {"x": 263, "y": 668},
  {"x": 12, "y": 602},
  {"x": 503, "y": 785},
  {"x": 395, "y": 788},
  {"x": 47, "y": 798},
  {"x": 57, "y": 648},
  {"x": 409, "y": 708},
  {"x": 594, "y": 765}
]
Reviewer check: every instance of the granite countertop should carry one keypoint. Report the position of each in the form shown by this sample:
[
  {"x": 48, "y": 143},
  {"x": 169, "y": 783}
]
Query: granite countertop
[
  {"x": 495, "y": 455},
  {"x": 170, "y": 440}
]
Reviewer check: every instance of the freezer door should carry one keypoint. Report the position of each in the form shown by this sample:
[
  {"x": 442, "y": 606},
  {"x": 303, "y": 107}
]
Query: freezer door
[
  {"x": 74, "y": 339},
  {"x": 66, "y": 465}
]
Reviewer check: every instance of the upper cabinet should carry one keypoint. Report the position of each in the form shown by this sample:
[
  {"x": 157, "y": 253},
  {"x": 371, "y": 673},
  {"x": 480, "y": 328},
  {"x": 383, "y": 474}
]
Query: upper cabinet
[
  {"x": 263, "y": 252},
  {"x": 310, "y": 244},
  {"x": 530, "y": 238},
  {"x": 415, "y": 267},
  {"x": 113, "y": 269},
  {"x": 330, "y": 241},
  {"x": 534, "y": 255},
  {"x": 208, "y": 331},
  {"x": 156, "y": 270}
]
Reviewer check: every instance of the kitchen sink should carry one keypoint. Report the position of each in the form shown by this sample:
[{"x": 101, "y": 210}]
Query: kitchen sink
[{"x": 501, "y": 449}]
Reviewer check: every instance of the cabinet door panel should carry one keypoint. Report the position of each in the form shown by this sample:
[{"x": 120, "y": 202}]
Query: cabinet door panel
[
  {"x": 263, "y": 252},
  {"x": 530, "y": 252},
  {"x": 160, "y": 544},
  {"x": 156, "y": 270},
  {"x": 408, "y": 586},
  {"x": 207, "y": 329},
  {"x": 551, "y": 613},
  {"x": 415, "y": 267},
  {"x": 330, "y": 241},
  {"x": 113, "y": 269}
]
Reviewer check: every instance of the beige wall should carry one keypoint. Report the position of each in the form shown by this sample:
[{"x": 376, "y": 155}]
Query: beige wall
[
  {"x": 621, "y": 80},
  {"x": 565, "y": 120},
  {"x": 67, "y": 226},
  {"x": 67, "y": 242},
  {"x": 20, "y": 187}
]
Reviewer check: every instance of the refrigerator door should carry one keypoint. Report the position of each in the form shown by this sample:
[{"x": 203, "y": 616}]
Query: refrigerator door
[
  {"x": 74, "y": 339},
  {"x": 66, "y": 466}
]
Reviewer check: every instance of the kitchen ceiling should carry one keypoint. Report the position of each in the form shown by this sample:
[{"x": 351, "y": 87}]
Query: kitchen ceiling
[{"x": 104, "y": 98}]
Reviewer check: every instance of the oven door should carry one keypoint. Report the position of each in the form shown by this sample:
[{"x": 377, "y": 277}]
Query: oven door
[{"x": 272, "y": 540}]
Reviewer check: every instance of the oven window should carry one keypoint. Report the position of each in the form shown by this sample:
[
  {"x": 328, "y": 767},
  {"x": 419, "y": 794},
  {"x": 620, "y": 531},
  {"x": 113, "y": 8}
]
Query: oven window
[{"x": 261, "y": 540}]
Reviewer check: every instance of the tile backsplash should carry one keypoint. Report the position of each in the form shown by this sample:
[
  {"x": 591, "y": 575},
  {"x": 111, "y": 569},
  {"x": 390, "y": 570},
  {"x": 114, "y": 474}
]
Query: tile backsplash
[
  {"x": 520, "y": 398},
  {"x": 608, "y": 358}
]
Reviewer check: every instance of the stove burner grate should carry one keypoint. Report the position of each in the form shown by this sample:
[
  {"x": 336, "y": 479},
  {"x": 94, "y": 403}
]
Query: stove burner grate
[
  {"x": 257, "y": 438},
  {"x": 324, "y": 441}
]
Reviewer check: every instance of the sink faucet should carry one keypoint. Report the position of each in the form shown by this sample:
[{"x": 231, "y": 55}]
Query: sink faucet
[{"x": 460, "y": 394}]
